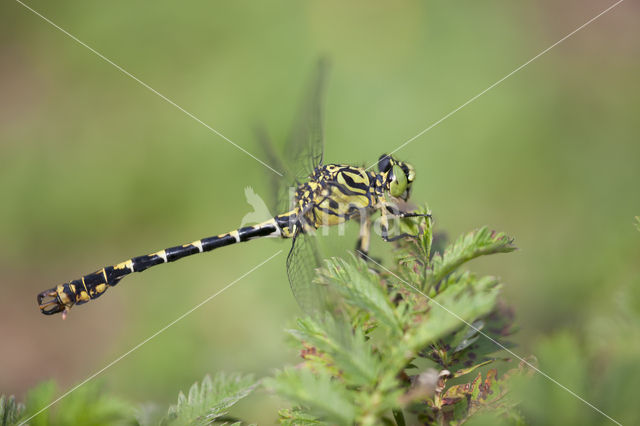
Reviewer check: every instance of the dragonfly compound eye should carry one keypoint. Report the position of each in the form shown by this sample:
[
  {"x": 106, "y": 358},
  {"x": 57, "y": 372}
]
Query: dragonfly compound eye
[
  {"x": 384, "y": 163},
  {"x": 399, "y": 182}
]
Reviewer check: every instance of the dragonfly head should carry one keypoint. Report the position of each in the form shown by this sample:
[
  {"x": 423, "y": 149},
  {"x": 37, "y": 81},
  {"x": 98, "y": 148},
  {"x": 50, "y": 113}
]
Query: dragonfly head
[{"x": 397, "y": 176}]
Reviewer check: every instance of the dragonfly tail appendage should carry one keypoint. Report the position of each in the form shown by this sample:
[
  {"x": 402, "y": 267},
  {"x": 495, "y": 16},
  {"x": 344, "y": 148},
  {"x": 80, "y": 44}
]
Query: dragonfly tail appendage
[
  {"x": 62, "y": 297},
  {"x": 49, "y": 302}
]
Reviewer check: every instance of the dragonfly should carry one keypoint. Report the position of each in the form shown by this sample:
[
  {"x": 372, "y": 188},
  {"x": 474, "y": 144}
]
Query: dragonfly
[{"x": 323, "y": 195}]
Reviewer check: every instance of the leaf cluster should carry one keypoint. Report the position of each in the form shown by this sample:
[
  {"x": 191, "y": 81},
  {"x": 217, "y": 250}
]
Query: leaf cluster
[
  {"x": 209, "y": 401},
  {"x": 10, "y": 410},
  {"x": 409, "y": 344},
  {"x": 401, "y": 343},
  {"x": 206, "y": 403}
]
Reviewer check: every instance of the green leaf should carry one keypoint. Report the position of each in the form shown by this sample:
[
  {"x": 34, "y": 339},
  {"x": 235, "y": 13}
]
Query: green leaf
[
  {"x": 38, "y": 398},
  {"x": 476, "y": 342},
  {"x": 105, "y": 409},
  {"x": 297, "y": 417},
  {"x": 484, "y": 395},
  {"x": 345, "y": 349},
  {"x": 427, "y": 234},
  {"x": 73, "y": 409},
  {"x": 361, "y": 287},
  {"x": 465, "y": 371},
  {"x": 149, "y": 414},
  {"x": 452, "y": 308},
  {"x": 319, "y": 394},
  {"x": 10, "y": 410},
  {"x": 358, "y": 357},
  {"x": 462, "y": 390},
  {"x": 210, "y": 400},
  {"x": 467, "y": 247},
  {"x": 465, "y": 337}
]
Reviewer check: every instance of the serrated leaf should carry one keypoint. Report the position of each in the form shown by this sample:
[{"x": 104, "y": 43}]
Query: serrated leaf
[
  {"x": 72, "y": 410},
  {"x": 466, "y": 336},
  {"x": 348, "y": 365},
  {"x": 475, "y": 386},
  {"x": 345, "y": 349},
  {"x": 454, "y": 307},
  {"x": 10, "y": 410},
  {"x": 297, "y": 417},
  {"x": 318, "y": 393},
  {"x": 467, "y": 247},
  {"x": 487, "y": 384},
  {"x": 361, "y": 287},
  {"x": 483, "y": 346},
  {"x": 194, "y": 395},
  {"x": 464, "y": 389},
  {"x": 483, "y": 394},
  {"x": 209, "y": 400},
  {"x": 149, "y": 414}
]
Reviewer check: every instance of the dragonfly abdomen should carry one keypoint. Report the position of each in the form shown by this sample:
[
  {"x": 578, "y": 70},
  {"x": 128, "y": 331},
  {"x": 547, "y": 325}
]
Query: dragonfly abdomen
[{"x": 92, "y": 286}]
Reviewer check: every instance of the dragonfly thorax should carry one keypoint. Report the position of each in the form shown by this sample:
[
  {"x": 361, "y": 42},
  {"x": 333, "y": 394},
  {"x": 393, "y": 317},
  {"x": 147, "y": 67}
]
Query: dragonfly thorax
[
  {"x": 333, "y": 194},
  {"x": 336, "y": 193}
]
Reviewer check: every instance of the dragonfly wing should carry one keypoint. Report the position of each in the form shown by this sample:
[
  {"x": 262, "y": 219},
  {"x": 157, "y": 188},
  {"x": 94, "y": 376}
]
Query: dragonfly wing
[
  {"x": 305, "y": 146},
  {"x": 303, "y": 152},
  {"x": 302, "y": 262},
  {"x": 282, "y": 195}
]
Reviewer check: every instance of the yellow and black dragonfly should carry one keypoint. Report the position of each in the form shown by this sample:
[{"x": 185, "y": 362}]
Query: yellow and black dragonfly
[{"x": 324, "y": 195}]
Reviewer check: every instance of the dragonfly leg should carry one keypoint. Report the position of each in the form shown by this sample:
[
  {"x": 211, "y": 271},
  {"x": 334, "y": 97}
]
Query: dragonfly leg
[
  {"x": 384, "y": 228},
  {"x": 362, "y": 246},
  {"x": 386, "y": 210},
  {"x": 389, "y": 239},
  {"x": 395, "y": 211},
  {"x": 413, "y": 214}
]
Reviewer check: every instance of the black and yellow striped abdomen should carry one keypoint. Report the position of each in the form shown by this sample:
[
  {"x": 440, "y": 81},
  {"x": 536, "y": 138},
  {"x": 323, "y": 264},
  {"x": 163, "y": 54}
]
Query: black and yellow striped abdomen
[
  {"x": 333, "y": 194},
  {"x": 92, "y": 286}
]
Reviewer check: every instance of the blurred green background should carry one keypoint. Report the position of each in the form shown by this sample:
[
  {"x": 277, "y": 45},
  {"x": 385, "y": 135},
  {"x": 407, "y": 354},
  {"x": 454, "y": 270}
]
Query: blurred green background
[{"x": 94, "y": 168}]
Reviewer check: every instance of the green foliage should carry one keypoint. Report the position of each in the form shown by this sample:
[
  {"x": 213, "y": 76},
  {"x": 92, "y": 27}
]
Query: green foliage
[
  {"x": 427, "y": 269},
  {"x": 206, "y": 403},
  {"x": 600, "y": 364},
  {"x": 386, "y": 354},
  {"x": 87, "y": 405},
  {"x": 10, "y": 410},
  {"x": 305, "y": 387},
  {"x": 210, "y": 401},
  {"x": 296, "y": 417},
  {"x": 406, "y": 345}
]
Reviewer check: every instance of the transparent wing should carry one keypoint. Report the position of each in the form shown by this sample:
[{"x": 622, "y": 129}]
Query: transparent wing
[
  {"x": 302, "y": 262},
  {"x": 303, "y": 152},
  {"x": 282, "y": 194},
  {"x": 305, "y": 146}
]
